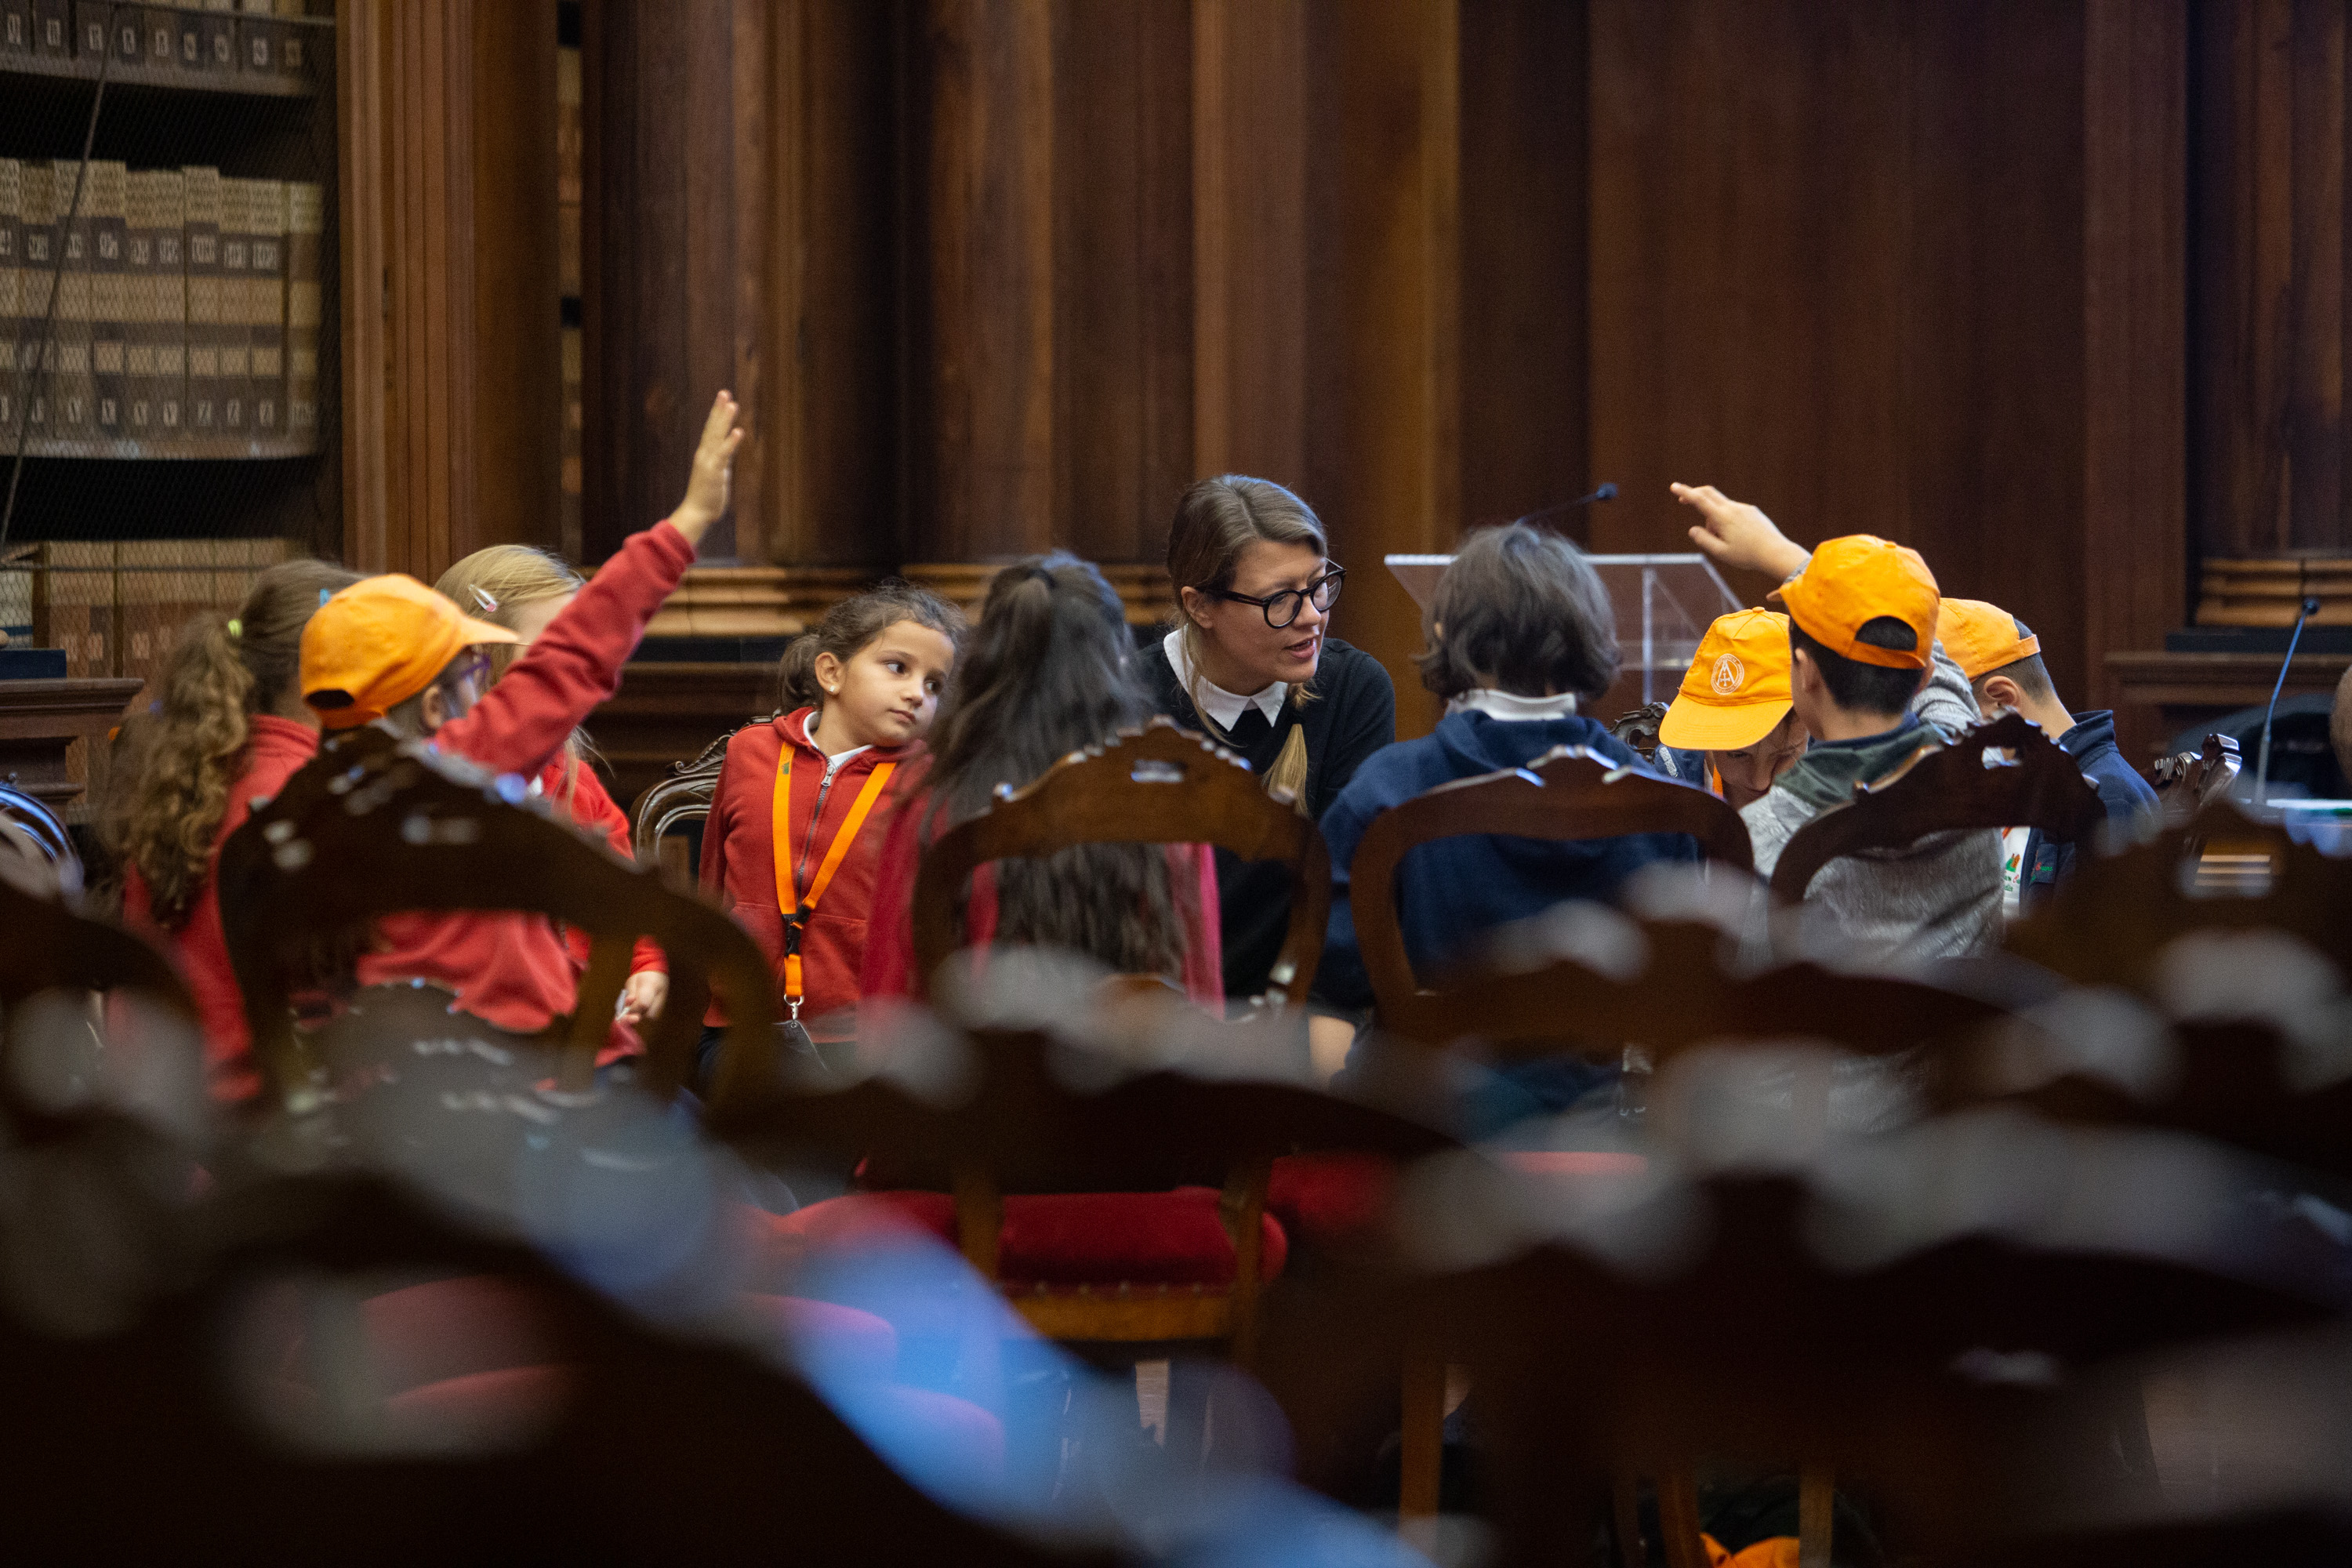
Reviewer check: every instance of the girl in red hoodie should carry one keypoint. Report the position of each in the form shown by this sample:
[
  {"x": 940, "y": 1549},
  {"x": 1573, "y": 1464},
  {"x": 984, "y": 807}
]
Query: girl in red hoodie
[
  {"x": 1050, "y": 672},
  {"x": 523, "y": 589},
  {"x": 228, "y": 729},
  {"x": 803, "y": 802}
]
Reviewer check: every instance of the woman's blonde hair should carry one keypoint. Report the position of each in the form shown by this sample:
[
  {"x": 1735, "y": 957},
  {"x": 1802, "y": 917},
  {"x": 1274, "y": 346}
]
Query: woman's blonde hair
[
  {"x": 492, "y": 585},
  {"x": 1216, "y": 522},
  {"x": 223, "y": 671}
]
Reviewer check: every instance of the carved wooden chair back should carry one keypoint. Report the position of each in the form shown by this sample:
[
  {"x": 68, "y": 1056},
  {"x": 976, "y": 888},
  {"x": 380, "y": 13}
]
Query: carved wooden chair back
[
  {"x": 1966, "y": 785},
  {"x": 1639, "y": 729},
  {"x": 374, "y": 827},
  {"x": 1160, "y": 784},
  {"x": 656, "y": 821},
  {"x": 1023, "y": 1129},
  {"x": 2109, "y": 922},
  {"x": 1570, "y": 792},
  {"x": 2189, "y": 782}
]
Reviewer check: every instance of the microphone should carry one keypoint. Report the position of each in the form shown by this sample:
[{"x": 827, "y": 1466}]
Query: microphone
[
  {"x": 1606, "y": 492},
  {"x": 2263, "y": 765}
]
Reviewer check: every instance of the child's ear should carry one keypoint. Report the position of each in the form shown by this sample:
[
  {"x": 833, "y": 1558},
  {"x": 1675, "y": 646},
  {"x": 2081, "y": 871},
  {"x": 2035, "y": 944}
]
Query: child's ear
[{"x": 827, "y": 670}]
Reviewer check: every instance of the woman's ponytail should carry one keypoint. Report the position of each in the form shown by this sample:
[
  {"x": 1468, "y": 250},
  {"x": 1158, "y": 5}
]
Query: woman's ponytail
[{"x": 796, "y": 686}]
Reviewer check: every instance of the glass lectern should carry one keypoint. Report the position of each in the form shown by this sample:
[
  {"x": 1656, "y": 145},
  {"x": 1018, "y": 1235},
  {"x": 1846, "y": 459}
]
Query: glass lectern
[{"x": 1663, "y": 606}]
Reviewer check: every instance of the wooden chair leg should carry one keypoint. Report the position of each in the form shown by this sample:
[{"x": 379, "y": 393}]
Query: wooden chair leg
[
  {"x": 1625, "y": 1505},
  {"x": 1816, "y": 1513},
  {"x": 1678, "y": 1515},
  {"x": 1423, "y": 1433}
]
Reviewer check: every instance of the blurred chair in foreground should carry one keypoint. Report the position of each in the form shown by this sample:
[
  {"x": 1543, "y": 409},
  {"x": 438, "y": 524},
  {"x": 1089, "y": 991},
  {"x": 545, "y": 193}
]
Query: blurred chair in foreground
[
  {"x": 375, "y": 826},
  {"x": 2188, "y": 782}
]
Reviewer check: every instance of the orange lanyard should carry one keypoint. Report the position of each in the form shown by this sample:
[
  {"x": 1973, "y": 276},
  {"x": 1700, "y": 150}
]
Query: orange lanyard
[{"x": 796, "y": 914}]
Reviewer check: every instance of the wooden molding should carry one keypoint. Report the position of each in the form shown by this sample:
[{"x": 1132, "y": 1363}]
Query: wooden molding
[
  {"x": 753, "y": 601},
  {"x": 1142, "y": 588}
]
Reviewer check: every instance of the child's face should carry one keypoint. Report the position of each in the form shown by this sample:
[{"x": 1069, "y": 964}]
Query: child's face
[
  {"x": 1749, "y": 772},
  {"x": 887, "y": 692}
]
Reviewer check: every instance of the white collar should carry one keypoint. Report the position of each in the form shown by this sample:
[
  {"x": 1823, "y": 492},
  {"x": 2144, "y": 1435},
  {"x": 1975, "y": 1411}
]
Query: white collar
[
  {"x": 833, "y": 762},
  {"x": 1505, "y": 705},
  {"x": 1221, "y": 705}
]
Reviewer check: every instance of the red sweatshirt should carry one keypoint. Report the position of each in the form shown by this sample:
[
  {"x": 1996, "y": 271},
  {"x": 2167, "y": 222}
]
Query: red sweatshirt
[
  {"x": 512, "y": 970},
  {"x": 580, "y": 797},
  {"x": 275, "y": 750},
  {"x": 889, "y": 969},
  {"x": 739, "y": 858}
]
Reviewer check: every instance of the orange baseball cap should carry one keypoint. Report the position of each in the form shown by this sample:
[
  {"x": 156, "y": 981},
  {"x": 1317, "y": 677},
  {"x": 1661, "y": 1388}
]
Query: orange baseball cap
[
  {"x": 1983, "y": 637},
  {"x": 379, "y": 642},
  {"x": 1855, "y": 580},
  {"x": 1736, "y": 689}
]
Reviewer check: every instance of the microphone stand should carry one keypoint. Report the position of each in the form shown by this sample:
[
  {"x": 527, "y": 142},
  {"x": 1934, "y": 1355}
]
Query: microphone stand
[{"x": 2263, "y": 765}]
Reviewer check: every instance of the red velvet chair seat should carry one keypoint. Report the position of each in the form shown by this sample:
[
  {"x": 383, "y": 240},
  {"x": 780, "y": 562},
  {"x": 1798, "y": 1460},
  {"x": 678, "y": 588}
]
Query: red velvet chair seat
[
  {"x": 1057, "y": 1240},
  {"x": 1328, "y": 1197}
]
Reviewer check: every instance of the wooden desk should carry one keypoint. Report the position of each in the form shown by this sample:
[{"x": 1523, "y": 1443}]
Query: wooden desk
[
  {"x": 2160, "y": 694},
  {"x": 667, "y": 713},
  {"x": 53, "y": 738}
]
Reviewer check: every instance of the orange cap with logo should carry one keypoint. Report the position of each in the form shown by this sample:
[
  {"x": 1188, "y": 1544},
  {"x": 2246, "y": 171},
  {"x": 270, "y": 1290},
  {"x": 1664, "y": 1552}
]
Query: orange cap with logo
[
  {"x": 1853, "y": 581},
  {"x": 1736, "y": 689},
  {"x": 1983, "y": 637},
  {"x": 379, "y": 642}
]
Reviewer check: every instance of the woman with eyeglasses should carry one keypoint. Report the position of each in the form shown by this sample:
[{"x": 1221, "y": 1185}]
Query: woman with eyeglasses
[{"x": 1251, "y": 663}]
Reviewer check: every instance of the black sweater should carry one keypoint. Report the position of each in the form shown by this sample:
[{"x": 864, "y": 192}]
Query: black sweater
[{"x": 1353, "y": 715}]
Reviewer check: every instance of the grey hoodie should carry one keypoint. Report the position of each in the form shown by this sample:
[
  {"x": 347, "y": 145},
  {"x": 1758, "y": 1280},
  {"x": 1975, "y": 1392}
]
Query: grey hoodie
[{"x": 1938, "y": 899}]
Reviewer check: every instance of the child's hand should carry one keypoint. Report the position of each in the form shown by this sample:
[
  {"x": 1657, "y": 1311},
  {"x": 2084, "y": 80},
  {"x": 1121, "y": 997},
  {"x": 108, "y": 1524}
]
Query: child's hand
[
  {"x": 641, "y": 997},
  {"x": 708, "y": 487},
  {"x": 1733, "y": 533}
]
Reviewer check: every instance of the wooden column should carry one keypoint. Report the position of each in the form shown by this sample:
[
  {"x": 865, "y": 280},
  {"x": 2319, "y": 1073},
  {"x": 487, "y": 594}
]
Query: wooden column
[
  {"x": 451, "y": 409},
  {"x": 1249, "y": 239},
  {"x": 822, "y": 490},
  {"x": 980, "y": 428},
  {"x": 1383, "y": 393},
  {"x": 670, "y": 234},
  {"x": 2135, "y": 258},
  {"x": 2270, "y": 425}
]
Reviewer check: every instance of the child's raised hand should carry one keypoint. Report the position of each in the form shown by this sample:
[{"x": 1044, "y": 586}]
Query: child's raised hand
[
  {"x": 1735, "y": 533},
  {"x": 708, "y": 486}
]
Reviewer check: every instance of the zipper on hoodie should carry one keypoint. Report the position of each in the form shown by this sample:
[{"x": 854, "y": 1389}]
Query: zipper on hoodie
[{"x": 816, "y": 820}]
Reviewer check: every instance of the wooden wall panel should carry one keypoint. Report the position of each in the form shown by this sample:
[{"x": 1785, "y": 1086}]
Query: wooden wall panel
[
  {"x": 1523, "y": 259},
  {"x": 2134, "y": 567},
  {"x": 1384, "y": 308},
  {"x": 662, "y": 256},
  {"x": 1122, "y": 420},
  {"x": 1249, "y": 239},
  {"x": 1837, "y": 269},
  {"x": 827, "y": 375},
  {"x": 981, "y": 400},
  {"x": 2270, "y": 269}
]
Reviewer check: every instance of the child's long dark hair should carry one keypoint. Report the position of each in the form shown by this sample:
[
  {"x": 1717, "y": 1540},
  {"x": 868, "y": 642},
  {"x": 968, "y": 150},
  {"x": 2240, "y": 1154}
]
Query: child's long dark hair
[
  {"x": 224, "y": 669},
  {"x": 850, "y": 625},
  {"x": 1043, "y": 675}
]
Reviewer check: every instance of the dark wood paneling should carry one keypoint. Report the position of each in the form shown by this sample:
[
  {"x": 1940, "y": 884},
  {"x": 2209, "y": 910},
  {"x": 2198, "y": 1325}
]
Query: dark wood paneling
[
  {"x": 660, "y": 272},
  {"x": 517, "y": 405},
  {"x": 1122, "y": 374},
  {"x": 979, "y": 457},
  {"x": 2270, "y": 432},
  {"x": 828, "y": 377},
  {"x": 1837, "y": 269},
  {"x": 2134, "y": 569},
  {"x": 1384, "y": 312},
  {"x": 1249, "y": 239},
  {"x": 1523, "y": 253}
]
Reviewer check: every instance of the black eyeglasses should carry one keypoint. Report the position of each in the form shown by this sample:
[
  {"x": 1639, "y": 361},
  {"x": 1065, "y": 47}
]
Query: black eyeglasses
[{"x": 1283, "y": 608}]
